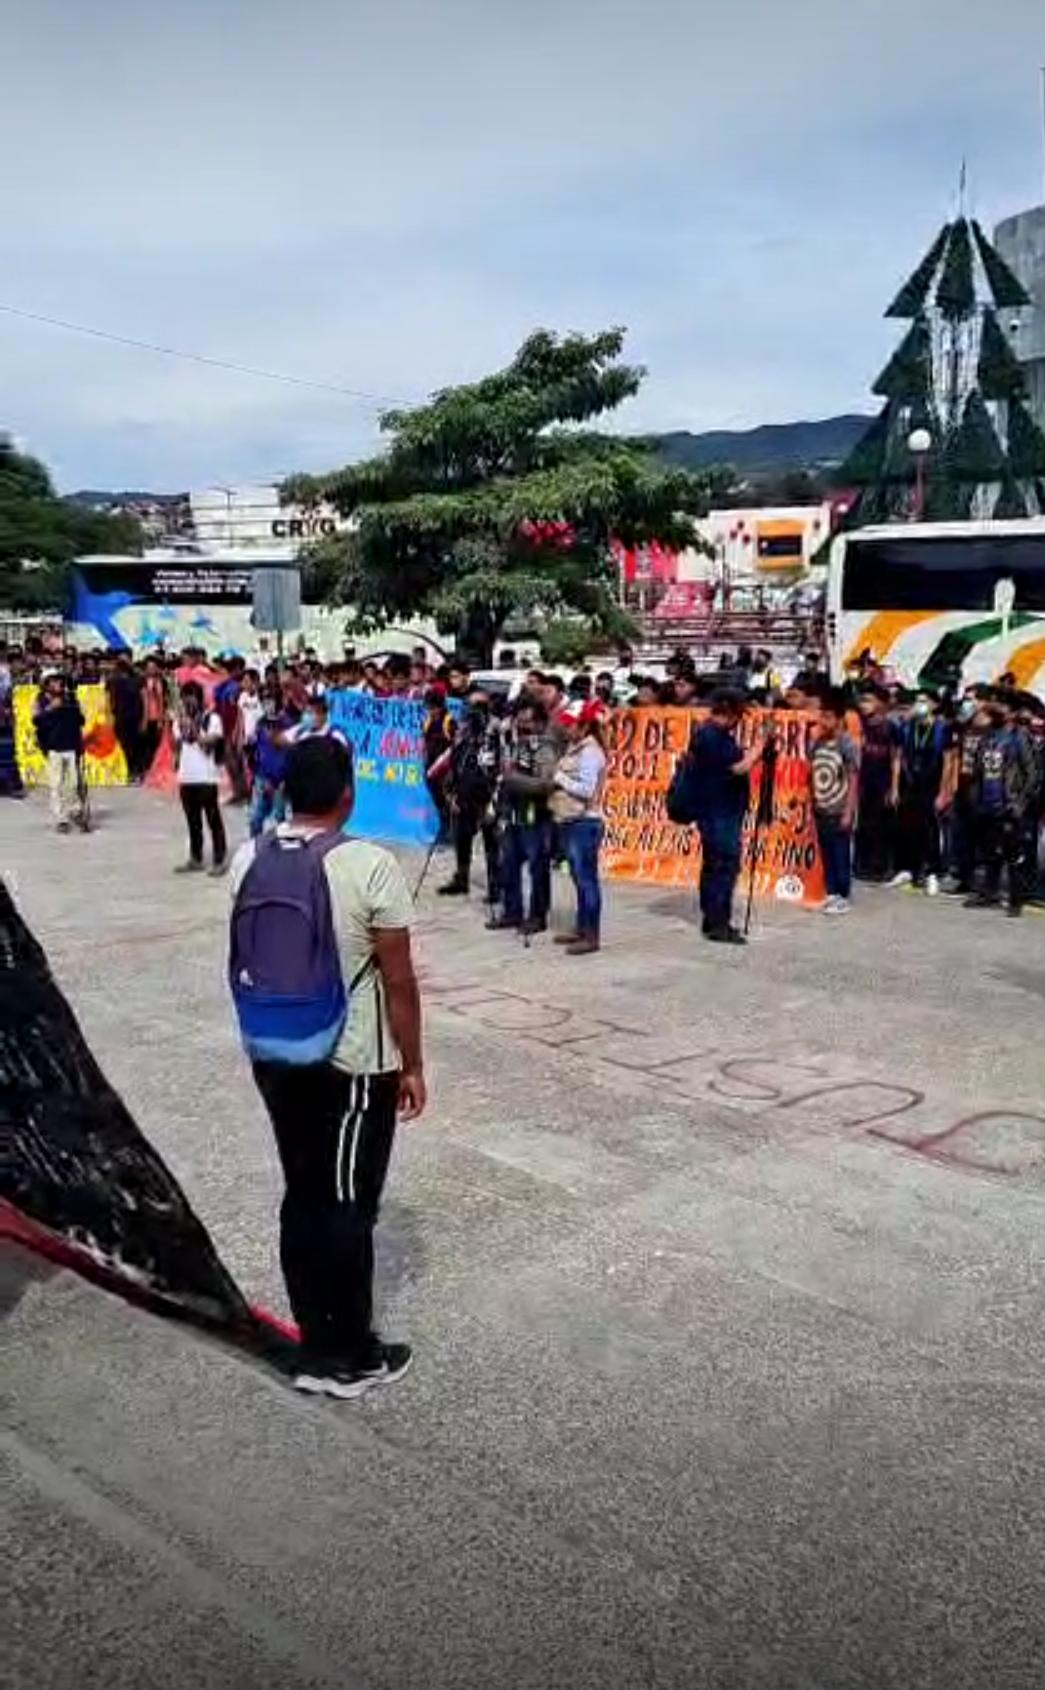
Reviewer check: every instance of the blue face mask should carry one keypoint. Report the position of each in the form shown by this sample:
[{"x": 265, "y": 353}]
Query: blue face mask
[{"x": 308, "y": 720}]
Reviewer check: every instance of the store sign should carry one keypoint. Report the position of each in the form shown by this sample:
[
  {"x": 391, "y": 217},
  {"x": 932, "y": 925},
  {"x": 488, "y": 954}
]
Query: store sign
[{"x": 303, "y": 527}]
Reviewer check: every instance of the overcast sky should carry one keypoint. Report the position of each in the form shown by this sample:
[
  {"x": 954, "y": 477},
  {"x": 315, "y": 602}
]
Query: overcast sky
[{"x": 389, "y": 196}]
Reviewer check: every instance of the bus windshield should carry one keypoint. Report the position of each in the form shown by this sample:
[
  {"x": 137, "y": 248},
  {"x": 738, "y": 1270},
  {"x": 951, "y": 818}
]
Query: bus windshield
[{"x": 942, "y": 572}]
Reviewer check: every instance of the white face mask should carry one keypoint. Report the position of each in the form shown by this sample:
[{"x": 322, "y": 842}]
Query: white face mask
[{"x": 922, "y": 709}]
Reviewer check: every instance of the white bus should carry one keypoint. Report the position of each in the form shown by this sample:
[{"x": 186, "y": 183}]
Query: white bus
[{"x": 941, "y": 602}]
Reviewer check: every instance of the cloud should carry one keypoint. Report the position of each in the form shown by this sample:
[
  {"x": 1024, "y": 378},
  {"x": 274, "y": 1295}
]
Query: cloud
[{"x": 390, "y": 196}]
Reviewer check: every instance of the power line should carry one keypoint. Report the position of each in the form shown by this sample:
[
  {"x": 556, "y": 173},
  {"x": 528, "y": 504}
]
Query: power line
[{"x": 378, "y": 399}]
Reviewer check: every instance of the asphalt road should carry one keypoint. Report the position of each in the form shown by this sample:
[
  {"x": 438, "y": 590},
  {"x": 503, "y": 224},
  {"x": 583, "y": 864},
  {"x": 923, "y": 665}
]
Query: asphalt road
[{"x": 725, "y": 1276}]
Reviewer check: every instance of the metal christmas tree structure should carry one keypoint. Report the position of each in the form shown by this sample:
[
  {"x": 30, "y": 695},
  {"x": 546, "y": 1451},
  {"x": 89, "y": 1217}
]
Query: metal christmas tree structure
[{"x": 954, "y": 389}]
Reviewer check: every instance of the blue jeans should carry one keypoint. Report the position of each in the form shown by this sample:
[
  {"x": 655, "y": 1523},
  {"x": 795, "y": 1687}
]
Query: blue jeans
[
  {"x": 719, "y": 868},
  {"x": 836, "y": 849},
  {"x": 533, "y": 846},
  {"x": 580, "y": 842},
  {"x": 267, "y": 803}
]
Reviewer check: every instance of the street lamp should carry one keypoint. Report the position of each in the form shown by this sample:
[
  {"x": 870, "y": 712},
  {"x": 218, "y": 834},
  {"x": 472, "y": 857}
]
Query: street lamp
[{"x": 919, "y": 444}]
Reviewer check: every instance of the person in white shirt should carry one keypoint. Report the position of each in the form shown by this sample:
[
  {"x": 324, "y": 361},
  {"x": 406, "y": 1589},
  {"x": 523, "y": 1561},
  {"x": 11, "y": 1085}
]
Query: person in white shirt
[
  {"x": 576, "y": 805},
  {"x": 198, "y": 743},
  {"x": 251, "y": 707}
]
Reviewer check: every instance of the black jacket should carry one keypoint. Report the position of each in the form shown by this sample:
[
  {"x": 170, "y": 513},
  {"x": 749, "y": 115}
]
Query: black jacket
[{"x": 60, "y": 727}]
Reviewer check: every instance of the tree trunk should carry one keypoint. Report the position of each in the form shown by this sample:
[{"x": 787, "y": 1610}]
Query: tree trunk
[{"x": 477, "y": 634}]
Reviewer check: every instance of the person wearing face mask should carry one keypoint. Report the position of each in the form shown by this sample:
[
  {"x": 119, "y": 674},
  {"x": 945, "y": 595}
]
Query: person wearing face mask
[
  {"x": 271, "y": 745},
  {"x": 874, "y": 831},
  {"x": 970, "y": 726},
  {"x": 199, "y": 746},
  {"x": 1005, "y": 791},
  {"x": 315, "y": 724},
  {"x": 472, "y": 771},
  {"x": 920, "y": 792}
]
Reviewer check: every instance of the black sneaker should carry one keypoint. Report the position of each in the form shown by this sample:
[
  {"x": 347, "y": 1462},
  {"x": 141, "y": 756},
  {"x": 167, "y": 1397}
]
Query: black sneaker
[
  {"x": 332, "y": 1379},
  {"x": 454, "y": 889},
  {"x": 388, "y": 1364},
  {"x": 535, "y": 924},
  {"x": 982, "y": 901},
  {"x": 725, "y": 936},
  {"x": 502, "y": 924}
]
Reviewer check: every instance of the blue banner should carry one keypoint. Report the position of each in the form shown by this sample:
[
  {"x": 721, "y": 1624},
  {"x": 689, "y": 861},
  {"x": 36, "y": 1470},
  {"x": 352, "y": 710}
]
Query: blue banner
[{"x": 392, "y": 798}]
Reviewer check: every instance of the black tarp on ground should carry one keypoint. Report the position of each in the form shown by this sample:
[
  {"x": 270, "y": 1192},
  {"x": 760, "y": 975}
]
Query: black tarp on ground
[{"x": 73, "y": 1160}]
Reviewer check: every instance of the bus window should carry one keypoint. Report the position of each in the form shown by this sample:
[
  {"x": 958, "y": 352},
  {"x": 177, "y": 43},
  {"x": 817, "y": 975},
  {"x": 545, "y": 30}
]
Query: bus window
[{"x": 945, "y": 572}]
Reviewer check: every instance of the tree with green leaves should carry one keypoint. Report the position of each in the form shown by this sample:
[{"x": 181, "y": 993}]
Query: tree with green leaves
[
  {"x": 955, "y": 375},
  {"x": 40, "y": 534},
  {"x": 496, "y": 500}
]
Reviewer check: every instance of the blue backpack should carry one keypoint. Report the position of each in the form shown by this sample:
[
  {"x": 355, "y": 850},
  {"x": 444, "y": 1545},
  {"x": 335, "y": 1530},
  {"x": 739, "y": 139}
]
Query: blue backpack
[{"x": 284, "y": 965}]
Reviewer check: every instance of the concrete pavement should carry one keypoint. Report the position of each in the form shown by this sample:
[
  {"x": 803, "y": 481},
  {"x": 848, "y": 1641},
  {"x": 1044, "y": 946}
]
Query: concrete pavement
[{"x": 725, "y": 1274}]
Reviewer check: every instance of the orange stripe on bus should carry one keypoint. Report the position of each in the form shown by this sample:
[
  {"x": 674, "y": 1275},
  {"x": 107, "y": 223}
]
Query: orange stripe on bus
[
  {"x": 1025, "y": 663},
  {"x": 884, "y": 629}
]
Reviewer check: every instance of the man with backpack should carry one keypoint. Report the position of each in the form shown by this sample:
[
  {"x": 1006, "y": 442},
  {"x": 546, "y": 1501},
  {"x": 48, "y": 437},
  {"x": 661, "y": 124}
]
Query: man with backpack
[{"x": 323, "y": 981}]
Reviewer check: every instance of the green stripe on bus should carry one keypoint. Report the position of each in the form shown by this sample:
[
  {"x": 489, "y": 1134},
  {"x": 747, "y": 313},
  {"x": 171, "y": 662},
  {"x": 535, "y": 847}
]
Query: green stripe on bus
[{"x": 955, "y": 647}]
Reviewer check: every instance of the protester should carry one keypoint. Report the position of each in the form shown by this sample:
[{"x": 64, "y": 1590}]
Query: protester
[
  {"x": 606, "y": 689},
  {"x": 835, "y": 782},
  {"x": 458, "y": 678},
  {"x": 126, "y": 703},
  {"x": 59, "y": 725},
  {"x": 154, "y": 712},
  {"x": 526, "y": 784},
  {"x": 267, "y": 805},
  {"x": 226, "y": 703},
  {"x": 685, "y": 689},
  {"x": 10, "y": 775},
  {"x": 971, "y": 724},
  {"x": 719, "y": 771},
  {"x": 251, "y": 707},
  {"x": 921, "y": 791},
  {"x": 315, "y": 723},
  {"x": 576, "y": 808},
  {"x": 437, "y": 733},
  {"x": 473, "y": 769},
  {"x": 1005, "y": 799},
  {"x": 647, "y": 692},
  {"x": 333, "y": 1115},
  {"x": 397, "y": 675},
  {"x": 198, "y": 742},
  {"x": 874, "y": 829}
]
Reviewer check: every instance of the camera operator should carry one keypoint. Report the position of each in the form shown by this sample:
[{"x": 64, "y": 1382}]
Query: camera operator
[{"x": 719, "y": 772}]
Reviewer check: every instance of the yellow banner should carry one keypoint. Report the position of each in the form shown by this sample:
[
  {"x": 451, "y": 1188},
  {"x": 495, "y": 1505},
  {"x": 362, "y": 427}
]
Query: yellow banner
[{"x": 104, "y": 763}]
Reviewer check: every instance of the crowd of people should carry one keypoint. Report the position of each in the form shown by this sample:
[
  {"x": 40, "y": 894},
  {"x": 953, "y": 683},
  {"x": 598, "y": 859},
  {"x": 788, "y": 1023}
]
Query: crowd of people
[{"x": 943, "y": 790}]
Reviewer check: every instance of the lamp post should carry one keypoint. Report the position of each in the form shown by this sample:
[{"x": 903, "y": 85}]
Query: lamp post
[{"x": 919, "y": 444}]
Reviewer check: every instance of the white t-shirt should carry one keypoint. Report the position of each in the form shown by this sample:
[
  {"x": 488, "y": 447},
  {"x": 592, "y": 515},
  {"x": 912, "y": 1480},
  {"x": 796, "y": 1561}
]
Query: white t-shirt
[
  {"x": 196, "y": 762},
  {"x": 251, "y": 710},
  {"x": 367, "y": 892}
]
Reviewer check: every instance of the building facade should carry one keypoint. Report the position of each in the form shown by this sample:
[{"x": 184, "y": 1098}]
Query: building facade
[{"x": 1021, "y": 242}]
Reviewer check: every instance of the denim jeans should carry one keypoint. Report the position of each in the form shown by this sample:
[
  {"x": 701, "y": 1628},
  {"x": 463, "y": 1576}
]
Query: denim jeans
[
  {"x": 531, "y": 845},
  {"x": 836, "y": 849},
  {"x": 580, "y": 842},
  {"x": 267, "y": 803},
  {"x": 720, "y": 865}
]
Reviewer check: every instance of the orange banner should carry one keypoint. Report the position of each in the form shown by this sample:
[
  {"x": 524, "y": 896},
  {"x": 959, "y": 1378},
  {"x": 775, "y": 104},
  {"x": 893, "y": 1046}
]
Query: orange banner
[{"x": 642, "y": 844}]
